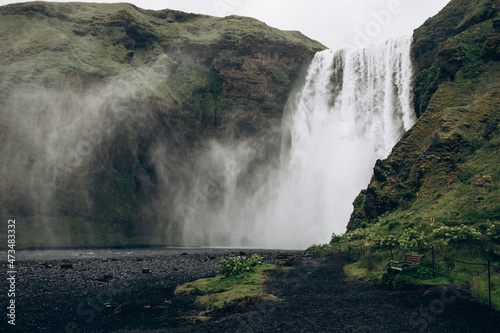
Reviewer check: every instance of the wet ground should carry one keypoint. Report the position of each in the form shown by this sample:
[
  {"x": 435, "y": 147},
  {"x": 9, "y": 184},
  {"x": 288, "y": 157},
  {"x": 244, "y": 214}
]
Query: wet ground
[{"x": 131, "y": 290}]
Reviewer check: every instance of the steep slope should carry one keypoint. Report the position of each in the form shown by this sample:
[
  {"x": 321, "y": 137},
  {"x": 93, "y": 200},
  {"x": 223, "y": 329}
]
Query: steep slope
[
  {"x": 104, "y": 109},
  {"x": 447, "y": 166}
]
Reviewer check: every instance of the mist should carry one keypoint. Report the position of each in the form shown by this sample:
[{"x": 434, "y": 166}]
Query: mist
[{"x": 58, "y": 138}]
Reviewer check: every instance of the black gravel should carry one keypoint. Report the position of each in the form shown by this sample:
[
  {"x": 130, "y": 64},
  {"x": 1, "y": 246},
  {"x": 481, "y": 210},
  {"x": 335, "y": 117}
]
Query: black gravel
[{"x": 133, "y": 292}]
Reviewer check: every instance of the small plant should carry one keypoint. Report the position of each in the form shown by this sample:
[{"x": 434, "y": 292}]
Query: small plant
[
  {"x": 335, "y": 238},
  {"x": 321, "y": 250},
  {"x": 237, "y": 265},
  {"x": 412, "y": 239},
  {"x": 385, "y": 242},
  {"x": 462, "y": 233}
]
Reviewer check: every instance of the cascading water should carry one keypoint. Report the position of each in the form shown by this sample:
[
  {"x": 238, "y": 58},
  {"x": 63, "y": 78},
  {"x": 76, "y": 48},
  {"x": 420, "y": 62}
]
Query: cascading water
[{"x": 353, "y": 108}]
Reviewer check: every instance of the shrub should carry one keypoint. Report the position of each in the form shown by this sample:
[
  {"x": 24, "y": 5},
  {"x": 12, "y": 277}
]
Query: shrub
[
  {"x": 385, "y": 242},
  {"x": 412, "y": 239},
  {"x": 322, "y": 250},
  {"x": 358, "y": 234},
  {"x": 462, "y": 233},
  {"x": 237, "y": 265},
  {"x": 335, "y": 238},
  {"x": 411, "y": 276}
]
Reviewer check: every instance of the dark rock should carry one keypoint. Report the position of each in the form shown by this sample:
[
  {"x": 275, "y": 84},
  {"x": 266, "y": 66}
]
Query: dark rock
[
  {"x": 450, "y": 60},
  {"x": 492, "y": 48},
  {"x": 170, "y": 17},
  {"x": 66, "y": 265},
  {"x": 146, "y": 271},
  {"x": 104, "y": 278}
]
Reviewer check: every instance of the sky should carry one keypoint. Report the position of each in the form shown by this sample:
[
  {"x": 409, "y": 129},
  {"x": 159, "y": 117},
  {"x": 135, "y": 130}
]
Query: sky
[{"x": 334, "y": 23}]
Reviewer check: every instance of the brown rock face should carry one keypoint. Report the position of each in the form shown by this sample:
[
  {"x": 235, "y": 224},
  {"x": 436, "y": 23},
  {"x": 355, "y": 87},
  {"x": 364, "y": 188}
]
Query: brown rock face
[{"x": 450, "y": 61}]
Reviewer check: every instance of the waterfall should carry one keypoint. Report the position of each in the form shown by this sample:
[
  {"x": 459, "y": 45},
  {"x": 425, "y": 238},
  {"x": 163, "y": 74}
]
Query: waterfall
[{"x": 353, "y": 107}]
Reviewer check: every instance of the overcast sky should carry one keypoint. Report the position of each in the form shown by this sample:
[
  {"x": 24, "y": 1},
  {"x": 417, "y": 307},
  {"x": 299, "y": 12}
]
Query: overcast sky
[{"x": 335, "y": 23}]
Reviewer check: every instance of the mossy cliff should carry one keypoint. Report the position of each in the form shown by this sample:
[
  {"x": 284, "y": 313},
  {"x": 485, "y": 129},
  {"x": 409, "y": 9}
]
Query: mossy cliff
[
  {"x": 93, "y": 96},
  {"x": 447, "y": 167}
]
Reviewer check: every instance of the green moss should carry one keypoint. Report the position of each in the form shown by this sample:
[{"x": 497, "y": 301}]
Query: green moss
[
  {"x": 220, "y": 292},
  {"x": 476, "y": 12},
  {"x": 461, "y": 27}
]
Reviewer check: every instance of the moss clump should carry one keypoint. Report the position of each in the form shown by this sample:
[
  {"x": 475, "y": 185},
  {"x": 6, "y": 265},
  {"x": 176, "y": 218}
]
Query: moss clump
[{"x": 222, "y": 292}]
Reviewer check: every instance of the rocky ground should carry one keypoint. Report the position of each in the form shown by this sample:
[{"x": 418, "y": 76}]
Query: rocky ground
[{"x": 132, "y": 291}]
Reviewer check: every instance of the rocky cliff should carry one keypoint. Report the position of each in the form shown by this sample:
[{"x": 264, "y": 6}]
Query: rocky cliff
[
  {"x": 447, "y": 166},
  {"x": 104, "y": 108}
]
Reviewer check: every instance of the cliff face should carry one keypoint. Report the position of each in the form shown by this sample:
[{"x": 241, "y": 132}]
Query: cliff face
[
  {"x": 446, "y": 167},
  {"x": 94, "y": 96}
]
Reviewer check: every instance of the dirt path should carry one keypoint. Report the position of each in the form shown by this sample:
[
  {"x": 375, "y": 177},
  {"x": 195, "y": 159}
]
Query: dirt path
[{"x": 316, "y": 296}]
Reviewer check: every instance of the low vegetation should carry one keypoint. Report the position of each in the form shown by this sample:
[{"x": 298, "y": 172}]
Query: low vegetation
[
  {"x": 240, "y": 281},
  {"x": 460, "y": 253}
]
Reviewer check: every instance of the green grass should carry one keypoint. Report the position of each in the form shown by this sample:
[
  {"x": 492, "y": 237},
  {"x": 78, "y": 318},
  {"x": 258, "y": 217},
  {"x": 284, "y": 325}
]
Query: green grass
[
  {"x": 220, "y": 292},
  {"x": 479, "y": 289},
  {"x": 371, "y": 265}
]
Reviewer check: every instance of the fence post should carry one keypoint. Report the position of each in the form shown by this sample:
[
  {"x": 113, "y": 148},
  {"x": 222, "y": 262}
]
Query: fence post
[
  {"x": 349, "y": 253},
  {"x": 392, "y": 257},
  {"x": 489, "y": 282},
  {"x": 433, "y": 273}
]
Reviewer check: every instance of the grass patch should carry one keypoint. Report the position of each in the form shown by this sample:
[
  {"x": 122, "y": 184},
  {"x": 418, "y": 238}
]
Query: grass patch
[
  {"x": 221, "y": 292},
  {"x": 369, "y": 267},
  {"x": 460, "y": 255}
]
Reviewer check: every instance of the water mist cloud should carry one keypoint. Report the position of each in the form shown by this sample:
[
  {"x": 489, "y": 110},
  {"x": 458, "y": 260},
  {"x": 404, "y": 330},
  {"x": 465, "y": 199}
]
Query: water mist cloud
[{"x": 55, "y": 133}]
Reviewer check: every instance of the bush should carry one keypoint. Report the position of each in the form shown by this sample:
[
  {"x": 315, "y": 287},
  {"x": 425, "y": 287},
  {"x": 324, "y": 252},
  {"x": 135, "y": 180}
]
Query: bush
[
  {"x": 411, "y": 276},
  {"x": 412, "y": 239},
  {"x": 322, "y": 250},
  {"x": 385, "y": 242},
  {"x": 335, "y": 238},
  {"x": 237, "y": 265},
  {"x": 463, "y": 233}
]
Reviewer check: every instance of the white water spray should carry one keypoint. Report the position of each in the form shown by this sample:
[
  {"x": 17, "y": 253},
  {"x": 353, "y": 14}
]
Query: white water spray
[{"x": 353, "y": 108}]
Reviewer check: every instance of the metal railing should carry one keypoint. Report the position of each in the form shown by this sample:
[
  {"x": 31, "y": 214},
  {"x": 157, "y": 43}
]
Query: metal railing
[{"x": 434, "y": 252}]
